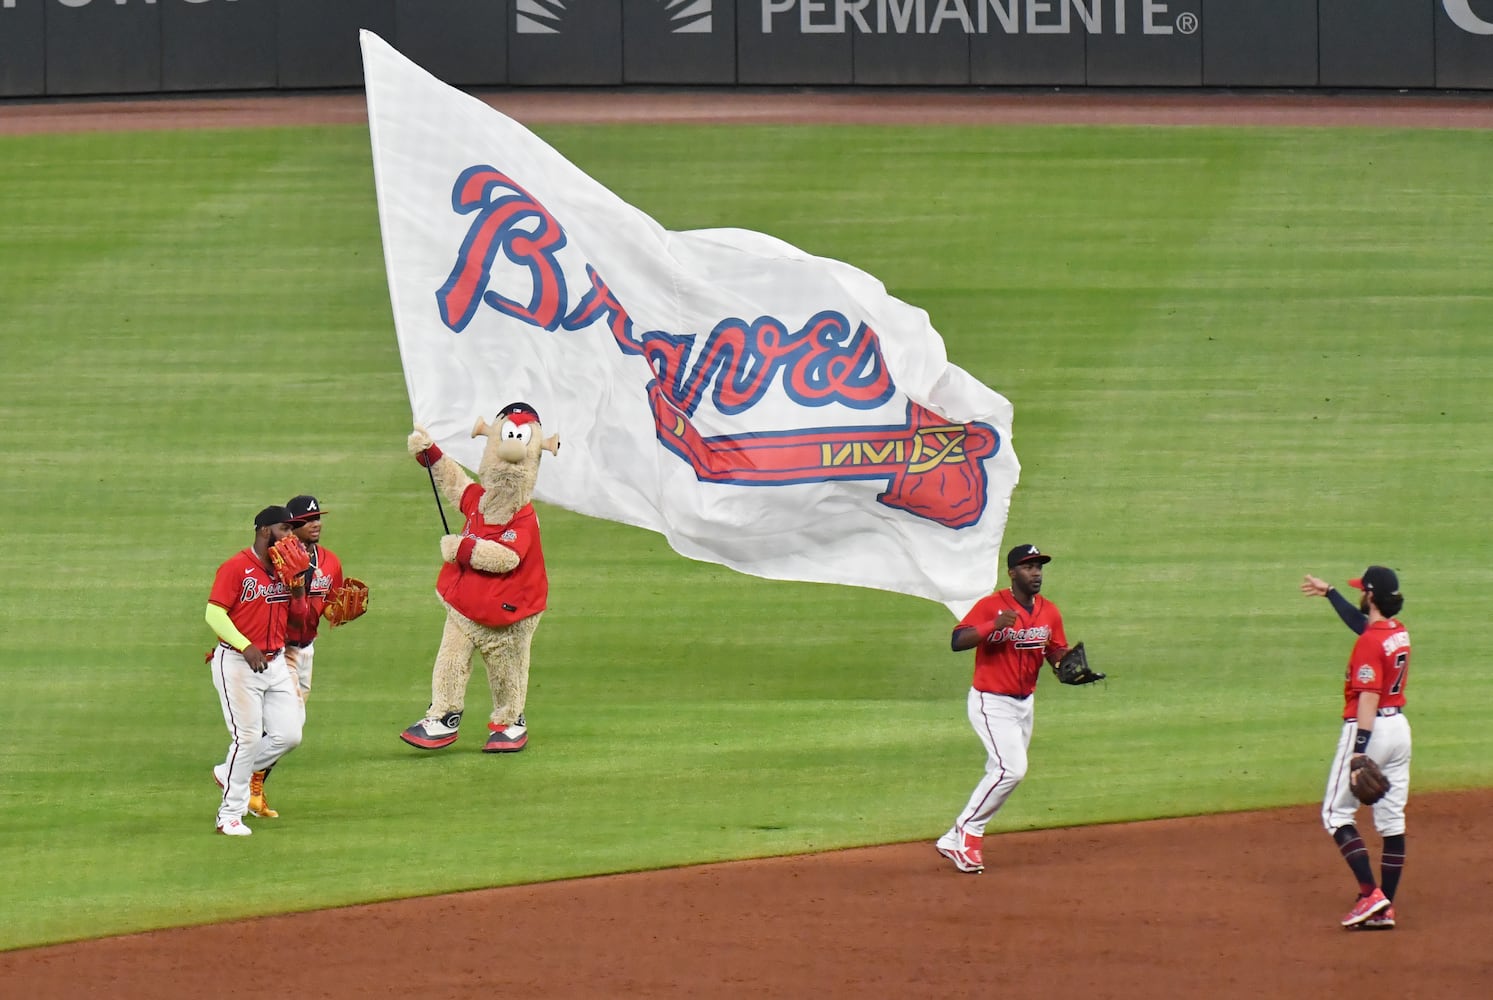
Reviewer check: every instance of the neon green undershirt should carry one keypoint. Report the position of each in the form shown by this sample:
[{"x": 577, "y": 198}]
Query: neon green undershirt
[{"x": 217, "y": 618}]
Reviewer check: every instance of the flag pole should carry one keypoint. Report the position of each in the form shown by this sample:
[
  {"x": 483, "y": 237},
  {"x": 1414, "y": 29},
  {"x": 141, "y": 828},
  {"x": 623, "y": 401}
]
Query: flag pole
[{"x": 439, "y": 508}]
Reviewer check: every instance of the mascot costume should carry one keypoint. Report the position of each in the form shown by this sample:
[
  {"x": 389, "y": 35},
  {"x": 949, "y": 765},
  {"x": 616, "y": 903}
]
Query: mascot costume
[{"x": 493, "y": 582}]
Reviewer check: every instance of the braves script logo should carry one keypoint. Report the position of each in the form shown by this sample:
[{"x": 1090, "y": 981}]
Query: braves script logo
[
  {"x": 273, "y": 593},
  {"x": 1032, "y": 637},
  {"x": 932, "y": 468}
]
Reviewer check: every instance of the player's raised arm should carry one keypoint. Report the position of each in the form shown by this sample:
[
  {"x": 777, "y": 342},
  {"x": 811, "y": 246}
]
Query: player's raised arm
[{"x": 1355, "y": 619}]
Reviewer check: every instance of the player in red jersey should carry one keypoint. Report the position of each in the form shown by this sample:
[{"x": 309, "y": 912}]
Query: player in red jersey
[
  {"x": 1011, "y": 631},
  {"x": 324, "y": 576},
  {"x": 249, "y": 609},
  {"x": 1374, "y": 723}
]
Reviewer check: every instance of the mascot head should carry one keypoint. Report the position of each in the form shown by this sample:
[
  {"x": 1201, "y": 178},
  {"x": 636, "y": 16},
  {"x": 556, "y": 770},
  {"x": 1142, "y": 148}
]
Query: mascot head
[{"x": 510, "y": 461}]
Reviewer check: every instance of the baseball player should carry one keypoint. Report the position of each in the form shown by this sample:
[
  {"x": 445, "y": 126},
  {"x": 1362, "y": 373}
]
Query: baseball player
[
  {"x": 249, "y": 608},
  {"x": 1374, "y": 723},
  {"x": 324, "y": 576},
  {"x": 1011, "y": 631}
]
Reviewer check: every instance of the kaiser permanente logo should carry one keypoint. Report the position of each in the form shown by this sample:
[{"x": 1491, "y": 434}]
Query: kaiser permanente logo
[
  {"x": 1012, "y": 17},
  {"x": 547, "y": 17},
  {"x": 978, "y": 17}
]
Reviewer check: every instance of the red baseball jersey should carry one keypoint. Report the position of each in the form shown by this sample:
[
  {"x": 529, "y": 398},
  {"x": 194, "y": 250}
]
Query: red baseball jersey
[
  {"x": 325, "y": 578},
  {"x": 1008, "y": 662},
  {"x": 1380, "y": 662},
  {"x": 256, "y": 602},
  {"x": 498, "y": 598}
]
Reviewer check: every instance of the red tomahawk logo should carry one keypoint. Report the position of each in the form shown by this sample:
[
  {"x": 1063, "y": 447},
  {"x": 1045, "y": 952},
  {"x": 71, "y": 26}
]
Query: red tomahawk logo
[{"x": 933, "y": 468}]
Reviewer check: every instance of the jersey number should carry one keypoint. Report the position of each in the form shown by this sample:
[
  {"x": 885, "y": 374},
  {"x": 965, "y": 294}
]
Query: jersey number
[{"x": 1401, "y": 668}]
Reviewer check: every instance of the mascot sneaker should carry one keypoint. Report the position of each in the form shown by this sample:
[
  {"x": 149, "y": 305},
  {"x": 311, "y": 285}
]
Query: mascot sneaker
[
  {"x": 507, "y": 739},
  {"x": 432, "y": 734}
]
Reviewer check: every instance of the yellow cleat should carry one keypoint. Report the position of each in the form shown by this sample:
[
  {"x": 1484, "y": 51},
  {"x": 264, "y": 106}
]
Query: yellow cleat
[{"x": 257, "y": 805}]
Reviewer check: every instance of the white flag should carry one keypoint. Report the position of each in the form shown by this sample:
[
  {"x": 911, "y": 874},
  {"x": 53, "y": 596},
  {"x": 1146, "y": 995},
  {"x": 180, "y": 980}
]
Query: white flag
[{"x": 758, "y": 406}]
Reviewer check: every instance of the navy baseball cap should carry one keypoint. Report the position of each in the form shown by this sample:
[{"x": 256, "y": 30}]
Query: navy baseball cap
[
  {"x": 272, "y": 515},
  {"x": 514, "y": 409},
  {"x": 1378, "y": 580},
  {"x": 303, "y": 507},
  {"x": 1025, "y": 554}
]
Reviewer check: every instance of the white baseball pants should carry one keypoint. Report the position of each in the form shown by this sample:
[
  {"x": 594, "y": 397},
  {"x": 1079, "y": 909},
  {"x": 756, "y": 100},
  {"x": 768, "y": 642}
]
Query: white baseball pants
[
  {"x": 264, "y": 715},
  {"x": 1390, "y": 749},
  {"x": 1004, "y": 725},
  {"x": 300, "y": 658}
]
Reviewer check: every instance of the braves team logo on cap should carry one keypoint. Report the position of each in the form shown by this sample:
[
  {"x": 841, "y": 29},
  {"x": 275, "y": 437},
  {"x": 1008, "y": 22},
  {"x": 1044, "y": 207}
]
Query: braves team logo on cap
[
  {"x": 303, "y": 507},
  {"x": 1025, "y": 554}
]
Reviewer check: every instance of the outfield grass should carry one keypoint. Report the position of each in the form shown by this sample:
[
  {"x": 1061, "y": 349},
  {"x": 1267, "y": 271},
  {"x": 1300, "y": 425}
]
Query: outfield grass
[{"x": 1236, "y": 356}]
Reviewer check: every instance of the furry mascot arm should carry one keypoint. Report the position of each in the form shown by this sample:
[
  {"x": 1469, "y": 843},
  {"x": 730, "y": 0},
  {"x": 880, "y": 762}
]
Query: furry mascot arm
[
  {"x": 481, "y": 554},
  {"x": 448, "y": 475}
]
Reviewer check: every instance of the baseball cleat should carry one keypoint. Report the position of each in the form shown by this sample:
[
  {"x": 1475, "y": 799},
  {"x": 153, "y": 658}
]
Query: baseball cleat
[
  {"x": 257, "y": 805},
  {"x": 1367, "y": 906},
  {"x": 432, "y": 734},
  {"x": 507, "y": 739},
  {"x": 1384, "y": 920},
  {"x": 964, "y": 852},
  {"x": 234, "y": 828},
  {"x": 220, "y": 775}
]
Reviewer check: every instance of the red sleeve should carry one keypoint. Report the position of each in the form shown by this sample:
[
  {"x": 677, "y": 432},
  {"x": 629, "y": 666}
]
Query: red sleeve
[
  {"x": 228, "y": 584},
  {"x": 334, "y": 571},
  {"x": 1366, "y": 671},
  {"x": 470, "y": 498},
  {"x": 299, "y": 614},
  {"x": 980, "y": 615},
  {"x": 1059, "y": 638}
]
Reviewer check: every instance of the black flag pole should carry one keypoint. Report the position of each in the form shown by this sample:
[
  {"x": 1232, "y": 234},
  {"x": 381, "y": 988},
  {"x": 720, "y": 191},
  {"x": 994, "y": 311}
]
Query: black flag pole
[{"x": 438, "y": 505}]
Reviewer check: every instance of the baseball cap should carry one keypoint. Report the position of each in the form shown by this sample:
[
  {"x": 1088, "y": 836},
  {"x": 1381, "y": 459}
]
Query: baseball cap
[
  {"x": 1025, "y": 554},
  {"x": 272, "y": 515},
  {"x": 517, "y": 410},
  {"x": 302, "y": 507},
  {"x": 1378, "y": 579}
]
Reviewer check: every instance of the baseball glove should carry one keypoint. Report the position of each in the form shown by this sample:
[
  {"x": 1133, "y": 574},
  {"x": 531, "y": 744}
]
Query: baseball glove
[
  {"x": 1367, "y": 780},
  {"x": 290, "y": 558},
  {"x": 346, "y": 603},
  {"x": 1073, "y": 668}
]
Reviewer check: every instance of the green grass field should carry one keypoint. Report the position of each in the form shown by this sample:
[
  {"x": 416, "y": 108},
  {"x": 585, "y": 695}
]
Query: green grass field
[{"x": 1236, "y": 356}]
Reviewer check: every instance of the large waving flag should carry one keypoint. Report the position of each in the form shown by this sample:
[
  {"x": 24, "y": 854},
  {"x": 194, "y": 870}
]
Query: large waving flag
[{"x": 760, "y": 407}]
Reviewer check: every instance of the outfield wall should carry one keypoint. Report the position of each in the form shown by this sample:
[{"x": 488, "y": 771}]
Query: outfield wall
[{"x": 96, "y": 47}]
